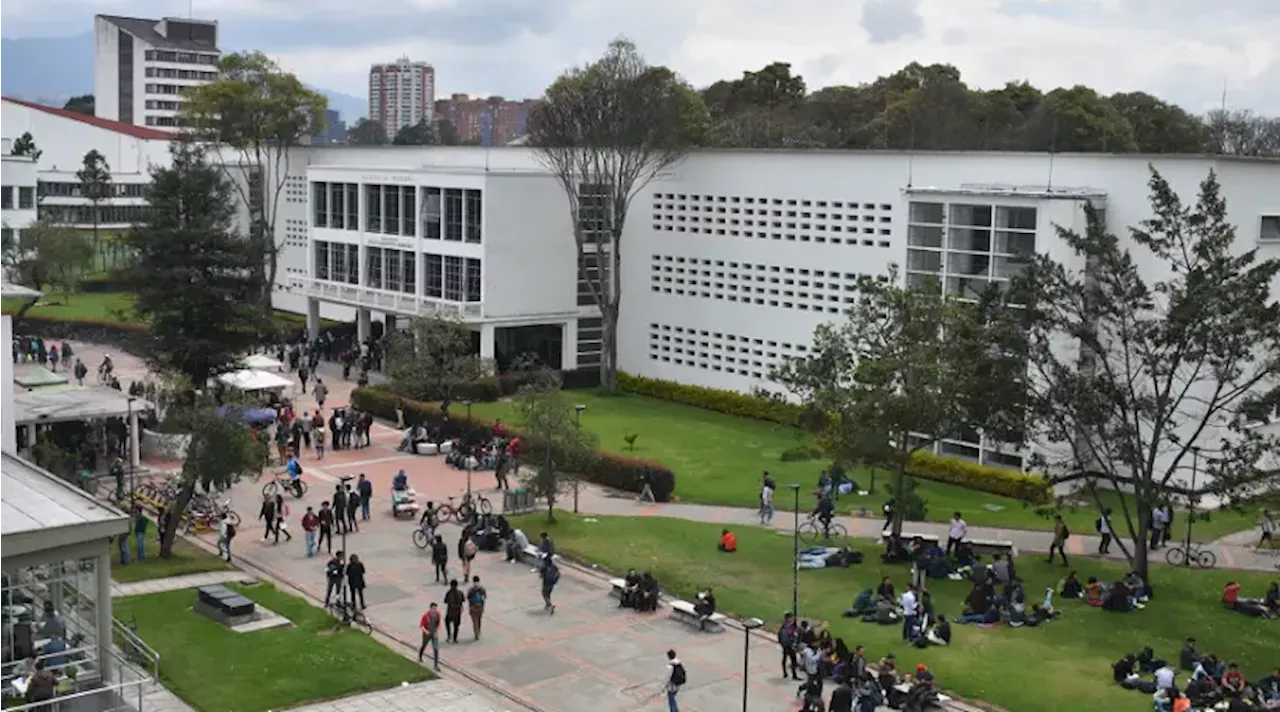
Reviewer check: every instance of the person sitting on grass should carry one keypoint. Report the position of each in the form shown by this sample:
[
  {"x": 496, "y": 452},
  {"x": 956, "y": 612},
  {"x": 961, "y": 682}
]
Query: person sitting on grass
[
  {"x": 1138, "y": 588},
  {"x": 630, "y": 590},
  {"x": 1094, "y": 592},
  {"x": 1071, "y": 587},
  {"x": 728, "y": 542},
  {"x": 1204, "y": 692},
  {"x": 1271, "y": 600},
  {"x": 1122, "y": 669},
  {"x": 1250, "y": 607},
  {"x": 864, "y": 604},
  {"x": 889, "y": 676},
  {"x": 1233, "y": 682},
  {"x": 885, "y": 590},
  {"x": 1269, "y": 690},
  {"x": 1188, "y": 657},
  {"x": 1118, "y": 599}
]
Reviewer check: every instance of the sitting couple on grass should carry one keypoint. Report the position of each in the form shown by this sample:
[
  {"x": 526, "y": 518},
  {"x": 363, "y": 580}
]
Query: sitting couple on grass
[
  {"x": 639, "y": 591},
  {"x": 1266, "y": 607},
  {"x": 1120, "y": 597}
]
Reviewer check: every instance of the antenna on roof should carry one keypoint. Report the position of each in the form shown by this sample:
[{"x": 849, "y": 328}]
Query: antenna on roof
[
  {"x": 911, "y": 150},
  {"x": 1053, "y": 148},
  {"x": 1224, "y": 95}
]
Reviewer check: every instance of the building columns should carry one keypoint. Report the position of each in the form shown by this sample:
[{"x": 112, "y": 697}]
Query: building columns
[
  {"x": 102, "y": 607},
  {"x": 363, "y": 326},
  {"x": 486, "y": 340},
  {"x": 135, "y": 441},
  {"x": 313, "y": 318},
  {"x": 569, "y": 345}
]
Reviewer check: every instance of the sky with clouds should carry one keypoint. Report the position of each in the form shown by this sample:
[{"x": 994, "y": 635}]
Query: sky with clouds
[{"x": 1186, "y": 51}]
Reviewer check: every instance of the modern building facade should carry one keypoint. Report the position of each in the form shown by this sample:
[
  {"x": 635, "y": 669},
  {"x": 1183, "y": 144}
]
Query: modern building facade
[
  {"x": 492, "y": 121},
  {"x": 17, "y": 193},
  {"x": 401, "y": 93},
  {"x": 335, "y": 129},
  {"x": 141, "y": 66}
]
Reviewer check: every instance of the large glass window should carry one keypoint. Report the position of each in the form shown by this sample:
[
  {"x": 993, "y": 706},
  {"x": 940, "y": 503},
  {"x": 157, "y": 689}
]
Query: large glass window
[
  {"x": 353, "y": 206},
  {"x": 322, "y": 260},
  {"x": 473, "y": 206},
  {"x": 408, "y": 211},
  {"x": 393, "y": 271},
  {"x": 593, "y": 212},
  {"x": 353, "y": 264},
  {"x": 930, "y": 213},
  {"x": 373, "y": 208},
  {"x": 453, "y": 214},
  {"x": 373, "y": 267},
  {"x": 431, "y": 213},
  {"x": 454, "y": 289},
  {"x": 320, "y": 204},
  {"x": 391, "y": 209},
  {"x": 410, "y": 283},
  {"x": 337, "y": 205},
  {"x": 474, "y": 289},
  {"x": 27, "y": 197},
  {"x": 433, "y": 276},
  {"x": 338, "y": 253}
]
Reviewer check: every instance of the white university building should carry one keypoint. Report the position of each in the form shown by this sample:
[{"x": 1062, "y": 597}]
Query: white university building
[{"x": 141, "y": 66}]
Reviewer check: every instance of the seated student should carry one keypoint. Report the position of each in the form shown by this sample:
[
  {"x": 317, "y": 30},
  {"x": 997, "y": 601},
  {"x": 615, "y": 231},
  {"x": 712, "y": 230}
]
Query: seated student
[
  {"x": 630, "y": 590},
  {"x": 1210, "y": 667},
  {"x": 939, "y": 633},
  {"x": 705, "y": 606},
  {"x": 1071, "y": 587},
  {"x": 886, "y": 613},
  {"x": 863, "y": 605},
  {"x": 1251, "y": 607},
  {"x": 516, "y": 544},
  {"x": 1269, "y": 690},
  {"x": 1203, "y": 692},
  {"x": 1271, "y": 600},
  {"x": 1137, "y": 587},
  {"x": 400, "y": 482},
  {"x": 1118, "y": 599},
  {"x": 1122, "y": 669},
  {"x": 979, "y": 600},
  {"x": 647, "y": 597},
  {"x": 1002, "y": 568},
  {"x": 889, "y": 676},
  {"x": 1147, "y": 660},
  {"x": 1188, "y": 656},
  {"x": 728, "y": 542},
  {"x": 935, "y": 563},
  {"x": 885, "y": 590},
  {"x": 1094, "y": 593},
  {"x": 1233, "y": 682},
  {"x": 964, "y": 555}
]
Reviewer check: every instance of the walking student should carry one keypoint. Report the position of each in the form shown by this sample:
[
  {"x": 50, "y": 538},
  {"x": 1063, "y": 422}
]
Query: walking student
[
  {"x": 139, "y": 530},
  {"x": 1103, "y": 525},
  {"x": 440, "y": 558},
  {"x": 267, "y": 513},
  {"x": 355, "y": 579},
  {"x": 282, "y": 519},
  {"x": 226, "y": 532},
  {"x": 476, "y": 597},
  {"x": 353, "y": 507},
  {"x": 466, "y": 552},
  {"x": 1060, "y": 536},
  {"x": 310, "y": 522},
  {"x": 339, "y": 509},
  {"x": 956, "y": 533},
  {"x": 364, "y": 487},
  {"x": 550, "y": 575},
  {"x": 767, "y": 488},
  {"x": 430, "y": 627},
  {"x": 1268, "y": 526},
  {"x": 674, "y": 680},
  {"x": 788, "y": 637},
  {"x": 325, "y": 523},
  {"x": 453, "y": 600},
  {"x": 333, "y": 573}
]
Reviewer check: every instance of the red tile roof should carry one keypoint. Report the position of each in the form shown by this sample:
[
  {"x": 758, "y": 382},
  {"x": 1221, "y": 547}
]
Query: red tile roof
[{"x": 141, "y": 132}]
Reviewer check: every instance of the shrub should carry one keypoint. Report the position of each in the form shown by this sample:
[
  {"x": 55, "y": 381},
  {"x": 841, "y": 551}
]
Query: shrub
[
  {"x": 721, "y": 401},
  {"x": 505, "y": 385},
  {"x": 602, "y": 468},
  {"x": 800, "y": 453},
  {"x": 1028, "y": 487}
]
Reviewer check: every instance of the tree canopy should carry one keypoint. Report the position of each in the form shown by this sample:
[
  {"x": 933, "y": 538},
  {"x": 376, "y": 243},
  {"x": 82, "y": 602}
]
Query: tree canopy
[
  {"x": 50, "y": 255},
  {"x": 367, "y": 132},
  {"x": 25, "y": 145},
  {"x": 433, "y": 358}
]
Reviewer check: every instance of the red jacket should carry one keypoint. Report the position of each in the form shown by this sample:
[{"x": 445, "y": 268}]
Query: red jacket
[
  {"x": 515, "y": 448},
  {"x": 310, "y": 522}
]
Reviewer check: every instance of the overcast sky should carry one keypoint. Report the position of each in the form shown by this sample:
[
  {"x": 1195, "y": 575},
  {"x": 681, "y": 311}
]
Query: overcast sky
[{"x": 1184, "y": 50}]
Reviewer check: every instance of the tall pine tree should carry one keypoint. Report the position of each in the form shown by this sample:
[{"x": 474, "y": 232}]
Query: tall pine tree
[{"x": 194, "y": 276}]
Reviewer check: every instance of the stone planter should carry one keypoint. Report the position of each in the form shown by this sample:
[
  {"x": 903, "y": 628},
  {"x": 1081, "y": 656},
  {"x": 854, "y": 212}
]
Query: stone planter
[{"x": 169, "y": 446}]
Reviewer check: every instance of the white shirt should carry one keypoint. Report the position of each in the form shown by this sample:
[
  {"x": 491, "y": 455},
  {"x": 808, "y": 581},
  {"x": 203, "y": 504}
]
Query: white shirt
[
  {"x": 1159, "y": 518},
  {"x": 1164, "y": 677},
  {"x": 958, "y": 529},
  {"x": 908, "y": 603},
  {"x": 1268, "y": 525},
  {"x": 1104, "y": 525},
  {"x": 810, "y": 661},
  {"x": 766, "y": 495}
]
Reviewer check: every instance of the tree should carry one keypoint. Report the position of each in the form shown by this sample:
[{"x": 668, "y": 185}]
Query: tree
[
  {"x": 49, "y": 254},
  {"x": 25, "y": 145},
  {"x": 367, "y": 132},
  {"x": 433, "y": 359},
  {"x": 95, "y": 184},
  {"x": 1159, "y": 127},
  {"x": 221, "y": 451},
  {"x": 909, "y": 367},
  {"x": 550, "y": 421},
  {"x": 446, "y": 132},
  {"x": 606, "y": 131},
  {"x": 1079, "y": 120},
  {"x": 258, "y": 112},
  {"x": 422, "y": 133},
  {"x": 193, "y": 272},
  {"x": 1243, "y": 133},
  {"x": 1144, "y": 358},
  {"x": 83, "y": 104}
]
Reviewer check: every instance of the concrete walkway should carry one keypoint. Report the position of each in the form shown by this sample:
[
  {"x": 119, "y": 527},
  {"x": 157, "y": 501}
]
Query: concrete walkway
[{"x": 176, "y": 583}]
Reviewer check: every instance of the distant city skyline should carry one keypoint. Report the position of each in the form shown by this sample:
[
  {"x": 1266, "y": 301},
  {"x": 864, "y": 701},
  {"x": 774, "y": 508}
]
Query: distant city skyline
[{"x": 1185, "y": 51}]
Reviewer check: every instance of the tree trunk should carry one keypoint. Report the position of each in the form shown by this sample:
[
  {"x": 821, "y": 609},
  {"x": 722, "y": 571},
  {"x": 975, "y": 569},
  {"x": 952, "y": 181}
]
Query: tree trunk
[
  {"x": 609, "y": 351},
  {"x": 550, "y": 479},
  {"x": 177, "y": 507},
  {"x": 899, "y": 491}
]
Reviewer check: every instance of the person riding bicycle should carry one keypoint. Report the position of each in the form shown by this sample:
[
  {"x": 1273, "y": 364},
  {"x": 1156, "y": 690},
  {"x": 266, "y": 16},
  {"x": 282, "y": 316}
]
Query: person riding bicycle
[
  {"x": 825, "y": 512},
  {"x": 106, "y": 367},
  {"x": 294, "y": 469}
]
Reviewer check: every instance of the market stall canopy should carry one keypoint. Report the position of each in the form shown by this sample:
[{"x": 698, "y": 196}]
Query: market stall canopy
[
  {"x": 62, "y": 404},
  {"x": 261, "y": 362},
  {"x": 250, "y": 380},
  {"x": 35, "y": 376}
]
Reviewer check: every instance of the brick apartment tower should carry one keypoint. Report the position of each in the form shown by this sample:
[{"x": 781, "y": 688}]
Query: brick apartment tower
[
  {"x": 492, "y": 121},
  {"x": 401, "y": 94}
]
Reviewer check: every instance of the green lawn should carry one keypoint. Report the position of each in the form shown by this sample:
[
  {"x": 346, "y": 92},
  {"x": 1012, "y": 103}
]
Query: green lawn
[
  {"x": 1063, "y": 666},
  {"x": 216, "y": 670},
  {"x": 100, "y": 306},
  {"x": 187, "y": 559},
  {"x": 718, "y": 459}
]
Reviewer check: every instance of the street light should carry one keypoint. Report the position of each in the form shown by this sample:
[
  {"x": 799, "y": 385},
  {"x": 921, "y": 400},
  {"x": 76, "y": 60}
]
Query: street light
[
  {"x": 129, "y": 436},
  {"x": 577, "y": 421},
  {"x": 748, "y": 625},
  {"x": 1191, "y": 503},
  {"x": 468, "y": 455},
  {"x": 795, "y": 554}
]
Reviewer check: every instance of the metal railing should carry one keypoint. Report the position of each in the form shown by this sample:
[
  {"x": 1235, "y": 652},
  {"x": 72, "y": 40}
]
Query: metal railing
[
  {"x": 382, "y": 299},
  {"x": 135, "y": 649},
  {"x": 123, "y": 693}
]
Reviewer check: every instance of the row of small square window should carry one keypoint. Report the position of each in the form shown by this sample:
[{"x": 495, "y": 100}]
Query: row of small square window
[
  {"x": 776, "y": 269},
  {"x": 792, "y": 202},
  {"x": 762, "y": 278},
  {"x": 719, "y": 368},
  {"x": 678, "y": 208},
  {"x": 681, "y": 331},
  {"x": 781, "y": 303},
  {"x": 765, "y": 222},
  {"x": 789, "y": 237}
]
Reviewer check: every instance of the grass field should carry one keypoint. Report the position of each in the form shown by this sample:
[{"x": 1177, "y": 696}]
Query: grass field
[
  {"x": 216, "y": 670},
  {"x": 187, "y": 559},
  {"x": 1063, "y": 666},
  {"x": 109, "y": 306},
  {"x": 718, "y": 459}
]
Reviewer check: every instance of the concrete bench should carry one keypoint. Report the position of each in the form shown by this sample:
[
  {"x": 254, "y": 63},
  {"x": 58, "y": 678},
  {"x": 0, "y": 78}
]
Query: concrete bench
[
  {"x": 685, "y": 613},
  {"x": 992, "y": 546},
  {"x": 907, "y": 538},
  {"x": 618, "y": 585}
]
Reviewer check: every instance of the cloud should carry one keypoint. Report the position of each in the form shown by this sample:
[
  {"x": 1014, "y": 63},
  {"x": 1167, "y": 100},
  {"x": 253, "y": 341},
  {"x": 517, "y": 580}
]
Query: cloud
[
  {"x": 1182, "y": 50},
  {"x": 891, "y": 20}
]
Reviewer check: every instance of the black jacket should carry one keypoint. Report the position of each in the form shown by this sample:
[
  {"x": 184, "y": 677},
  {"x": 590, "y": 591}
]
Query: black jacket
[
  {"x": 841, "y": 699},
  {"x": 268, "y": 511},
  {"x": 355, "y": 575}
]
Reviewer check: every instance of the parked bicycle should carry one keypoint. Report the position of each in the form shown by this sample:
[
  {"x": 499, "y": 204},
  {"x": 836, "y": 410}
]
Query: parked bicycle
[
  {"x": 1200, "y": 556},
  {"x": 350, "y": 616},
  {"x": 464, "y": 511},
  {"x": 813, "y": 531}
]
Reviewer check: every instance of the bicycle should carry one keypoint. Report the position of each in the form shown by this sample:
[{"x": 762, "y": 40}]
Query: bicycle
[
  {"x": 349, "y": 616},
  {"x": 421, "y": 537},
  {"x": 1202, "y": 557},
  {"x": 293, "y": 486},
  {"x": 813, "y": 531}
]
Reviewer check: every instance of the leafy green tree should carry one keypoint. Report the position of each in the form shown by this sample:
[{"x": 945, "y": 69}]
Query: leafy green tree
[
  {"x": 259, "y": 112},
  {"x": 433, "y": 358},
  {"x": 193, "y": 272},
  {"x": 221, "y": 451},
  {"x": 446, "y": 132},
  {"x": 422, "y": 133},
  {"x": 95, "y": 185},
  {"x": 1079, "y": 120},
  {"x": 83, "y": 104},
  {"x": 558, "y": 447},
  {"x": 1160, "y": 127},
  {"x": 49, "y": 255},
  {"x": 1150, "y": 357},
  {"x": 908, "y": 368},
  {"x": 25, "y": 145},
  {"x": 367, "y": 132},
  {"x": 1240, "y": 132},
  {"x": 605, "y": 131}
]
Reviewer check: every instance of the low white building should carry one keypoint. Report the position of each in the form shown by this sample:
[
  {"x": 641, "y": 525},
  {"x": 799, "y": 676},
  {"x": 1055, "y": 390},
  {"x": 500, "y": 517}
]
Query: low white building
[{"x": 18, "y": 193}]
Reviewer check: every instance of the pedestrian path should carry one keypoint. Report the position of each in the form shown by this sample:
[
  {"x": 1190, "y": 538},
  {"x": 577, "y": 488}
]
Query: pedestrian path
[
  {"x": 597, "y": 501},
  {"x": 433, "y": 696},
  {"x": 176, "y": 583}
]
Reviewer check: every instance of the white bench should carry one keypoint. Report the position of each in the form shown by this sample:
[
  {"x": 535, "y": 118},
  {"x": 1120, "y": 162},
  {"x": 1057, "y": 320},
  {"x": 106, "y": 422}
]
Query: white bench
[
  {"x": 992, "y": 546},
  {"x": 618, "y": 585},
  {"x": 684, "y": 612},
  {"x": 907, "y": 538}
]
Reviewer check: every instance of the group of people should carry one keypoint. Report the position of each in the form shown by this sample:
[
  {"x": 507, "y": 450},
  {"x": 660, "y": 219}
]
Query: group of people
[
  {"x": 340, "y": 514},
  {"x": 1266, "y": 607},
  {"x": 1212, "y": 684}
]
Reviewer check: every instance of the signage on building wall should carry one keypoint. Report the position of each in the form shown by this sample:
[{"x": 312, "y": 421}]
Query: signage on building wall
[
  {"x": 386, "y": 178},
  {"x": 388, "y": 242}
]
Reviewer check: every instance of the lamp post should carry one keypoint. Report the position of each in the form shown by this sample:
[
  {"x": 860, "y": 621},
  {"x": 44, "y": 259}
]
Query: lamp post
[
  {"x": 577, "y": 422},
  {"x": 748, "y": 625},
  {"x": 467, "y": 444},
  {"x": 1191, "y": 503},
  {"x": 795, "y": 553},
  {"x": 129, "y": 437}
]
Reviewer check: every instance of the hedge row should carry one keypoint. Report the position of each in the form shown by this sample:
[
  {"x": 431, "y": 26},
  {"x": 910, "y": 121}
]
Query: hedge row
[
  {"x": 926, "y": 466},
  {"x": 503, "y": 385},
  {"x": 602, "y": 468}
]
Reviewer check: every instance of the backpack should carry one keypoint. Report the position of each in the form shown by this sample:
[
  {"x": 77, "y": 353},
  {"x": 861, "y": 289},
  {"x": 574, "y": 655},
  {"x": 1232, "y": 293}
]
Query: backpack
[
  {"x": 553, "y": 575},
  {"x": 299, "y": 468},
  {"x": 786, "y": 636},
  {"x": 476, "y": 597},
  {"x": 677, "y": 675},
  {"x": 231, "y": 530},
  {"x": 1098, "y": 525}
]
